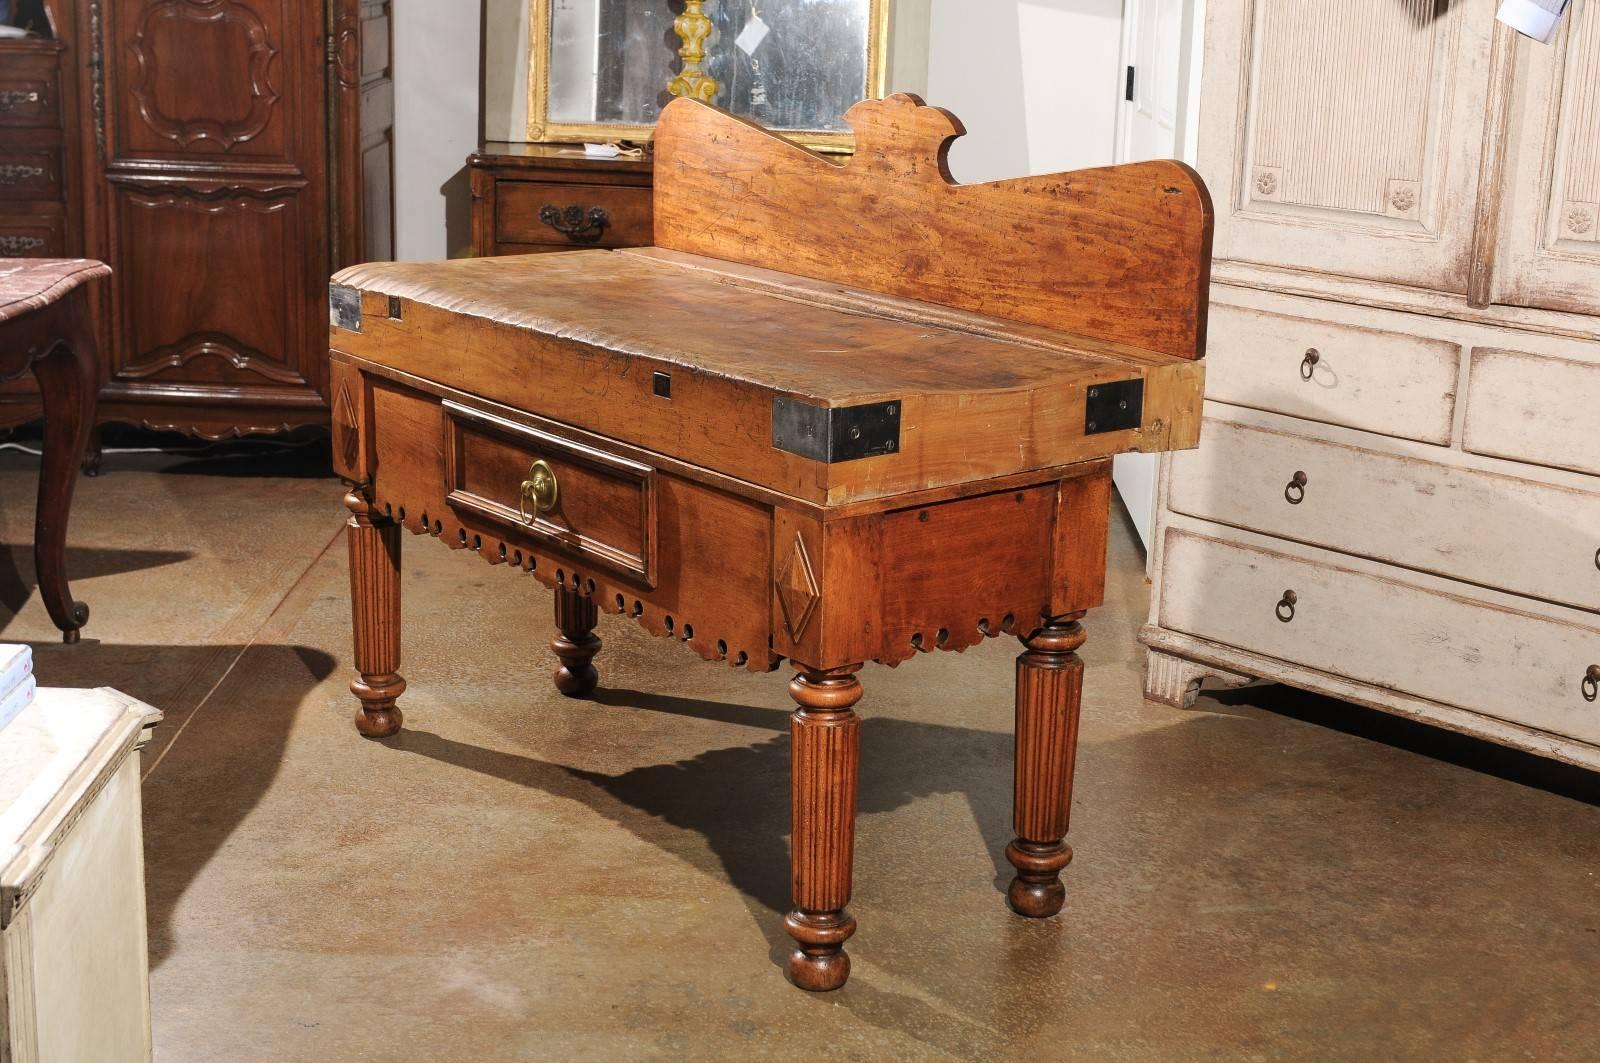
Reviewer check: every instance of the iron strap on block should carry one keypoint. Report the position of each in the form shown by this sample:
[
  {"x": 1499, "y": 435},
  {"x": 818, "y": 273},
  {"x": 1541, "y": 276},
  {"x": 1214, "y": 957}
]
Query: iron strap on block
[
  {"x": 834, "y": 434},
  {"x": 1113, "y": 407},
  {"x": 344, "y": 307}
]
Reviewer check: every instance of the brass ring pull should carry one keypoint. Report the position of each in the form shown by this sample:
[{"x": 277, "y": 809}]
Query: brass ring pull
[
  {"x": 539, "y": 491},
  {"x": 1308, "y": 364},
  {"x": 1285, "y": 609},
  {"x": 1294, "y": 492},
  {"x": 1591, "y": 683}
]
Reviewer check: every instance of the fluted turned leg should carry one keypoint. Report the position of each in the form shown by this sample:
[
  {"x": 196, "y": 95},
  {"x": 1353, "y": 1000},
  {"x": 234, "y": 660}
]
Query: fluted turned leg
[
  {"x": 825, "y": 741},
  {"x": 1049, "y": 688},
  {"x": 375, "y": 605},
  {"x": 577, "y": 644}
]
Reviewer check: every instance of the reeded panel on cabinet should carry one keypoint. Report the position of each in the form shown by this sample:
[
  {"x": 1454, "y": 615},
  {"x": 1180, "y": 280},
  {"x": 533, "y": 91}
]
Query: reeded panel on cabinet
[
  {"x": 1334, "y": 133},
  {"x": 1550, "y": 256}
]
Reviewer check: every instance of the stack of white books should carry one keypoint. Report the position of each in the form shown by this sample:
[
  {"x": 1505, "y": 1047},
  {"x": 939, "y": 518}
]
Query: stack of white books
[{"x": 17, "y": 684}]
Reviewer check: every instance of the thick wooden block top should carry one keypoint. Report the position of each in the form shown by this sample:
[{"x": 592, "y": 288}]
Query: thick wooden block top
[{"x": 793, "y": 355}]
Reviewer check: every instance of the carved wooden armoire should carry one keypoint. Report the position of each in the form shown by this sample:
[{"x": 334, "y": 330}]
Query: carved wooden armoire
[
  {"x": 224, "y": 156},
  {"x": 1396, "y": 500}
]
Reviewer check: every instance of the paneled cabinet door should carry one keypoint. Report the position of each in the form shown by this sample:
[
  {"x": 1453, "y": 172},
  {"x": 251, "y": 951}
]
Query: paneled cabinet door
[
  {"x": 215, "y": 186},
  {"x": 361, "y": 96},
  {"x": 1344, "y": 136},
  {"x": 1550, "y": 229}
]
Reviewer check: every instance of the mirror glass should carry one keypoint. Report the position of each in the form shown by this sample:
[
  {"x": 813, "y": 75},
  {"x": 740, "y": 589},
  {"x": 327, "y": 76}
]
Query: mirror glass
[{"x": 788, "y": 64}]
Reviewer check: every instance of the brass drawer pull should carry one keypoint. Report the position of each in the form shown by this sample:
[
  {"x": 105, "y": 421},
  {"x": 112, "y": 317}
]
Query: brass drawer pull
[
  {"x": 1285, "y": 609},
  {"x": 1294, "y": 492},
  {"x": 16, "y": 173},
  {"x": 1591, "y": 683},
  {"x": 1308, "y": 364},
  {"x": 539, "y": 491},
  {"x": 575, "y": 223},
  {"x": 10, "y": 99},
  {"x": 15, "y": 245}
]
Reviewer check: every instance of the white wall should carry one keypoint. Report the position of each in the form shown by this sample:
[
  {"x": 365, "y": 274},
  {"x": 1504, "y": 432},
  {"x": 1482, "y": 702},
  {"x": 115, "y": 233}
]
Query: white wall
[
  {"x": 1034, "y": 81},
  {"x": 436, "y": 60},
  {"x": 505, "y": 70}
]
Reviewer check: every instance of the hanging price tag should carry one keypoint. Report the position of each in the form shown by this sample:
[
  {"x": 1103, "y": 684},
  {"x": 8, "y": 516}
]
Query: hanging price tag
[{"x": 755, "y": 31}]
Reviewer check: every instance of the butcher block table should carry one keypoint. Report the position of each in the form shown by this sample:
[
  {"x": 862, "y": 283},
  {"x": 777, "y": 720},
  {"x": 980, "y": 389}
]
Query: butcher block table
[{"x": 840, "y": 413}]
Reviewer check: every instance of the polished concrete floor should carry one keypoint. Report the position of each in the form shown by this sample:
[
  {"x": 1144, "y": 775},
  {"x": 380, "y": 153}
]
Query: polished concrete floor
[{"x": 518, "y": 876}]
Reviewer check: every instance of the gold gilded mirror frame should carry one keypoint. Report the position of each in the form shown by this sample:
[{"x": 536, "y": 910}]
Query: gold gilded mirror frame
[{"x": 542, "y": 130}]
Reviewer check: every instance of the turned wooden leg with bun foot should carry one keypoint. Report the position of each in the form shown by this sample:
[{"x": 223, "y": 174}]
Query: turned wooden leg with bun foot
[
  {"x": 577, "y": 644},
  {"x": 825, "y": 740},
  {"x": 1049, "y": 688},
  {"x": 375, "y": 603}
]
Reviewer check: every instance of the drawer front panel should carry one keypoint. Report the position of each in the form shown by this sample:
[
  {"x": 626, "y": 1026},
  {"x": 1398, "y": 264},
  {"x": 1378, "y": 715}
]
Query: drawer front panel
[
  {"x": 1385, "y": 382},
  {"x": 1534, "y": 409},
  {"x": 1499, "y": 531},
  {"x": 624, "y": 218},
  {"x": 1510, "y": 665},
  {"x": 28, "y": 92},
  {"x": 30, "y": 173},
  {"x": 32, "y": 235},
  {"x": 604, "y": 511}
]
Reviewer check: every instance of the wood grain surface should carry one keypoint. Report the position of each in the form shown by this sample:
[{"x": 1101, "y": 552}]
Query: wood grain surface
[{"x": 1120, "y": 253}]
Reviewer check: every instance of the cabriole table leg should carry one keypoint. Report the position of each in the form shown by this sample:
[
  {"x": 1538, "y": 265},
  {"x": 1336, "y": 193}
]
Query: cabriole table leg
[
  {"x": 825, "y": 741},
  {"x": 577, "y": 644},
  {"x": 375, "y": 605},
  {"x": 68, "y": 386},
  {"x": 1049, "y": 689}
]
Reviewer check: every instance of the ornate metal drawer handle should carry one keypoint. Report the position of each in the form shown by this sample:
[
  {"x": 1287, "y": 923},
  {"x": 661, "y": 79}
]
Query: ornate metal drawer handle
[
  {"x": 1286, "y": 604},
  {"x": 539, "y": 491},
  {"x": 1591, "y": 683},
  {"x": 1294, "y": 492},
  {"x": 10, "y": 99},
  {"x": 585, "y": 226},
  {"x": 15, "y": 245},
  {"x": 1308, "y": 364},
  {"x": 15, "y": 173}
]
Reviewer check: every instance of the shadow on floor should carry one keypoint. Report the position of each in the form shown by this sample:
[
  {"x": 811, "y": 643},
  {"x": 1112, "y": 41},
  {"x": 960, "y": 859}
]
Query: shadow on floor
[
  {"x": 1428, "y": 740},
  {"x": 737, "y": 799},
  {"x": 190, "y": 812},
  {"x": 17, "y": 572},
  {"x": 909, "y": 761}
]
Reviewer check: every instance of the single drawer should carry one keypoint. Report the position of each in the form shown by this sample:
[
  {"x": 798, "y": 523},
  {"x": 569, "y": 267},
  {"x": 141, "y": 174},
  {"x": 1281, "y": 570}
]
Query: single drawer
[
  {"x": 1511, "y": 665},
  {"x": 29, "y": 95},
  {"x": 1499, "y": 531},
  {"x": 573, "y": 215},
  {"x": 41, "y": 235},
  {"x": 1385, "y": 382},
  {"x": 30, "y": 173},
  {"x": 1535, "y": 409},
  {"x": 592, "y": 506}
]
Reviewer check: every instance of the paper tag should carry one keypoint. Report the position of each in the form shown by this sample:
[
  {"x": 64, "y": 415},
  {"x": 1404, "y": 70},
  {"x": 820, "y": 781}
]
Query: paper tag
[
  {"x": 755, "y": 31},
  {"x": 602, "y": 151},
  {"x": 1533, "y": 18}
]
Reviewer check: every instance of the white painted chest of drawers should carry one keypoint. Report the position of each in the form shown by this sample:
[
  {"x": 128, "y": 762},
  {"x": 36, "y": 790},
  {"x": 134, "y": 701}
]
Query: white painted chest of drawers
[
  {"x": 74, "y": 981},
  {"x": 1396, "y": 499}
]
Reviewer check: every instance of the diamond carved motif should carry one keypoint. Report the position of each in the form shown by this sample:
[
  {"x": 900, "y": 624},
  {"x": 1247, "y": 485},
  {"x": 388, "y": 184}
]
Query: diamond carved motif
[
  {"x": 346, "y": 436},
  {"x": 798, "y": 593}
]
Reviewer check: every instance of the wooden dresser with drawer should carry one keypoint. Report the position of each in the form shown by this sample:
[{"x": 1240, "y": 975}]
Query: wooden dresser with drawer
[
  {"x": 536, "y": 198},
  {"x": 1397, "y": 496},
  {"x": 35, "y": 221}
]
